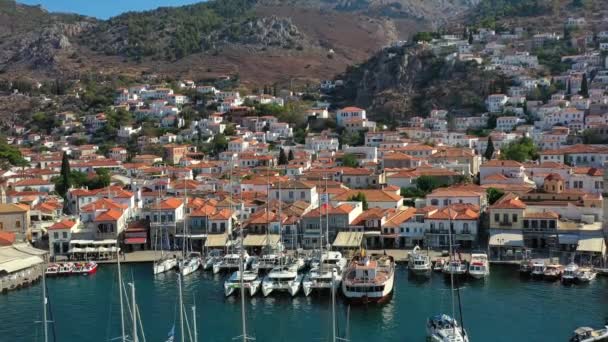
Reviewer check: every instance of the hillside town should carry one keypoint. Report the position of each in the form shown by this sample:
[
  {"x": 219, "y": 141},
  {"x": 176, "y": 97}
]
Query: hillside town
[{"x": 526, "y": 174}]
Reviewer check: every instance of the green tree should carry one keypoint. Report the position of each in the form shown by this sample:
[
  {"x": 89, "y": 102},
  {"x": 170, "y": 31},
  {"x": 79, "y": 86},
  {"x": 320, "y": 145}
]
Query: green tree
[
  {"x": 282, "y": 157},
  {"x": 521, "y": 150},
  {"x": 11, "y": 155},
  {"x": 427, "y": 184},
  {"x": 230, "y": 130},
  {"x": 65, "y": 176},
  {"x": 584, "y": 87},
  {"x": 101, "y": 180},
  {"x": 494, "y": 195},
  {"x": 471, "y": 38},
  {"x": 360, "y": 197},
  {"x": 489, "y": 149},
  {"x": 349, "y": 160},
  {"x": 290, "y": 156},
  {"x": 219, "y": 144}
]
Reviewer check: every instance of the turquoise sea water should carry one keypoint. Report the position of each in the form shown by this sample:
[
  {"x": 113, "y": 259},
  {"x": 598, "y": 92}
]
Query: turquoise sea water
[{"x": 504, "y": 307}]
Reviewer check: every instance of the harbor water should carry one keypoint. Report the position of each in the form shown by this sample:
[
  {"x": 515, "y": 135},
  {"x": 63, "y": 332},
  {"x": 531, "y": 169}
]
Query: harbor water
[{"x": 504, "y": 307}]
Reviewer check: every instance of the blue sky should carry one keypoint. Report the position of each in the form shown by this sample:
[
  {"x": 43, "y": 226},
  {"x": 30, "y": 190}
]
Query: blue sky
[{"x": 104, "y": 9}]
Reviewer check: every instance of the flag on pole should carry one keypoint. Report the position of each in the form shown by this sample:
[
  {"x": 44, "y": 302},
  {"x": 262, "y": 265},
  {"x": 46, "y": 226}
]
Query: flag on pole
[{"x": 171, "y": 335}]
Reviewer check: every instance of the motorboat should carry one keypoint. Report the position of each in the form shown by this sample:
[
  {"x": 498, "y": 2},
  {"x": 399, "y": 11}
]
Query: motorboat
[
  {"x": 479, "y": 267},
  {"x": 84, "y": 268},
  {"x": 587, "y": 334},
  {"x": 585, "y": 275},
  {"x": 525, "y": 267},
  {"x": 538, "y": 268},
  {"x": 553, "y": 272},
  {"x": 52, "y": 269},
  {"x": 190, "y": 264},
  {"x": 570, "y": 273},
  {"x": 165, "y": 264},
  {"x": 66, "y": 268},
  {"x": 282, "y": 278},
  {"x": 418, "y": 263},
  {"x": 251, "y": 283},
  {"x": 439, "y": 265},
  {"x": 369, "y": 279},
  {"x": 456, "y": 267},
  {"x": 326, "y": 274},
  {"x": 230, "y": 262},
  {"x": 214, "y": 256},
  {"x": 443, "y": 328}
]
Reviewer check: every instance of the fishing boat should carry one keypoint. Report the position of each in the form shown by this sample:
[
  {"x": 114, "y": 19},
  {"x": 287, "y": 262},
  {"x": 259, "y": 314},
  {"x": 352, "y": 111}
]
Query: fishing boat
[
  {"x": 585, "y": 275},
  {"x": 587, "y": 334},
  {"x": 418, "y": 263},
  {"x": 282, "y": 278},
  {"x": 455, "y": 267},
  {"x": 439, "y": 265},
  {"x": 369, "y": 279},
  {"x": 190, "y": 264},
  {"x": 66, "y": 268},
  {"x": 229, "y": 262},
  {"x": 443, "y": 328},
  {"x": 525, "y": 267},
  {"x": 570, "y": 273},
  {"x": 553, "y": 272},
  {"x": 326, "y": 274},
  {"x": 479, "y": 267},
  {"x": 213, "y": 256},
  {"x": 538, "y": 268},
  {"x": 250, "y": 282}
]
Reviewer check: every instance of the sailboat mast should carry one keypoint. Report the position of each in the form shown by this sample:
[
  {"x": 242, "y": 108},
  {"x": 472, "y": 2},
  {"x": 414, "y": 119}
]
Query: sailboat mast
[
  {"x": 451, "y": 265},
  {"x": 194, "y": 323},
  {"x": 333, "y": 305},
  {"x": 122, "y": 309},
  {"x": 44, "y": 302},
  {"x": 326, "y": 214},
  {"x": 134, "y": 309},
  {"x": 181, "y": 309}
]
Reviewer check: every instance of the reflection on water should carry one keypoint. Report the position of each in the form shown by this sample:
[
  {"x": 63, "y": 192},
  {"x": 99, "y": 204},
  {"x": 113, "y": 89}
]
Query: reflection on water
[{"x": 87, "y": 309}]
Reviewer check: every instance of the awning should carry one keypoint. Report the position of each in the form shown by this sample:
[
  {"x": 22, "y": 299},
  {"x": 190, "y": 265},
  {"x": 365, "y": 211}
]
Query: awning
[
  {"x": 348, "y": 240},
  {"x": 568, "y": 239},
  {"x": 105, "y": 242},
  {"x": 81, "y": 242},
  {"x": 135, "y": 241},
  {"x": 593, "y": 245},
  {"x": 77, "y": 250},
  {"x": 216, "y": 240},
  {"x": 506, "y": 239},
  {"x": 260, "y": 240},
  {"x": 20, "y": 264}
]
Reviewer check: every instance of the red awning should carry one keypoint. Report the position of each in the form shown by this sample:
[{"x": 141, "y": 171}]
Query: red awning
[{"x": 135, "y": 241}]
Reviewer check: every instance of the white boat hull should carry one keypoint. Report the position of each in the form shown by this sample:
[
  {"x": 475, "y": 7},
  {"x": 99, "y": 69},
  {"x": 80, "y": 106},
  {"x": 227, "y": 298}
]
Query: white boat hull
[
  {"x": 190, "y": 267},
  {"x": 165, "y": 265},
  {"x": 372, "y": 296},
  {"x": 292, "y": 286}
]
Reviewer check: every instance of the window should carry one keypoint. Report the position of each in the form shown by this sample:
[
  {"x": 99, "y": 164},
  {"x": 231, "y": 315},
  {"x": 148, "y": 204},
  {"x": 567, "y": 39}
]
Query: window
[
  {"x": 56, "y": 235},
  {"x": 407, "y": 230},
  {"x": 496, "y": 217},
  {"x": 65, "y": 235},
  {"x": 526, "y": 223},
  {"x": 505, "y": 218},
  {"x": 434, "y": 201},
  {"x": 222, "y": 226},
  {"x": 514, "y": 216},
  {"x": 18, "y": 224},
  {"x": 552, "y": 224},
  {"x": 302, "y": 195},
  {"x": 291, "y": 194}
]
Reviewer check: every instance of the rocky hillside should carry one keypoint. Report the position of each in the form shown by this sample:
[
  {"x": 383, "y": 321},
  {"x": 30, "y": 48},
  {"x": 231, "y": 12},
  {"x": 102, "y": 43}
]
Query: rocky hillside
[
  {"x": 261, "y": 40},
  {"x": 398, "y": 83}
]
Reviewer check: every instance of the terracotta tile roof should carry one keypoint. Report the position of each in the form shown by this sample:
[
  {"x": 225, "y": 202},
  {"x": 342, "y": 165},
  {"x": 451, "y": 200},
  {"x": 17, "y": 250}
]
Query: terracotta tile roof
[
  {"x": 499, "y": 163},
  {"x": 11, "y": 208},
  {"x": 7, "y": 238},
  {"x": 495, "y": 177},
  {"x": 371, "y": 195},
  {"x": 63, "y": 224},
  {"x": 509, "y": 201},
  {"x": 102, "y": 203},
  {"x": 399, "y": 217},
  {"x": 223, "y": 214},
  {"x": 553, "y": 176},
  {"x": 110, "y": 215},
  {"x": 171, "y": 203},
  {"x": 32, "y": 182},
  {"x": 543, "y": 215},
  {"x": 351, "y": 109},
  {"x": 342, "y": 209}
]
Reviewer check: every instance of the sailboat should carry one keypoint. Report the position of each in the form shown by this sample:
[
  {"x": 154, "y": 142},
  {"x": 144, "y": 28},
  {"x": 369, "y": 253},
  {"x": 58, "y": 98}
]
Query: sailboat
[
  {"x": 445, "y": 328},
  {"x": 166, "y": 262},
  {"x": 191, "y": 261}
]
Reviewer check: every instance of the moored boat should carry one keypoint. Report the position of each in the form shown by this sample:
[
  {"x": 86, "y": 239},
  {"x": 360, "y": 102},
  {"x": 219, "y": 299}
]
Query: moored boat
[
  {"x": 164, "y": 265},
  {"x": 456, "y": 267},
  {"x": 570, "y": 273},
  {"x": 553, "y": 272},
  {"x": 585, "y": 275},
  {"x": 369, "y": 279},
  {"x": 190, "y": 264},
  {"x": 251, "y": 283},
  {"x": 282, "y": 278},
  {"x": 439, "y": 265},
  {"x": 52, "y": 269},
  {"x": 418, "y": 263},
  {"x": 479, "y": 267},
  {"x": 327, "y": 274},
  {"x": 525, "y": 267},
  {"x": 230, "y": 262},
  {"x": 213, "y": 257},
  {"x": 538, "y": 268}
]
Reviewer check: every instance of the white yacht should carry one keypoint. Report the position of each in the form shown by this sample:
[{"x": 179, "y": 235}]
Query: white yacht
[
  {"x": 251, "y": 282},
  {"x": 190, "y": 264},
  {"x": 282, "y": 278},
  {"x": 479, "y": 267},
  {"x": 585, "y": 275},
  {"x": 419, "y": 263},
  {"x": 165, "y": 264},
  {"x": 586, "y": 334},
  {"x": 443, "y": 328},
  {"x": 570, "y": 273},
  {"x": 328, "y": 272},
  {"x": 230, "y": 262},
  {"x": 213, "y": 257},
  {"x": 455, "y": 267},
  {"x": 538, "y": 268}
]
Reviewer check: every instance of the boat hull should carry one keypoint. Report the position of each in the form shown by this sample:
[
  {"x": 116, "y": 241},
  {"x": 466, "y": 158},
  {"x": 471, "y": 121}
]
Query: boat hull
[{"x": 370, "y": 297}]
